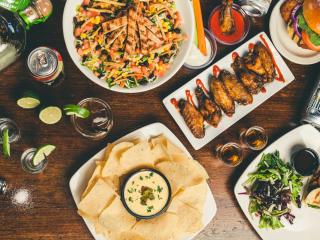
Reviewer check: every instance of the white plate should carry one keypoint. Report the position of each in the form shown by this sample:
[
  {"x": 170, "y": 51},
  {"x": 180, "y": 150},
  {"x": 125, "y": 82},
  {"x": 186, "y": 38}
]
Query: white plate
[
  {"x": 79, "y": 180},
  {"x": 185, "y": 9},
  {"x": 241, "y": 111},
  {"x": 285, "y": 45},
  {"x": 306, "y": 223}
]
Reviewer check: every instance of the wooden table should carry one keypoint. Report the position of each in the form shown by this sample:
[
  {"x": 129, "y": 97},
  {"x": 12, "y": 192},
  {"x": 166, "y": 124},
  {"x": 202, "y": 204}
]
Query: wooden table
[{"x": 54, "y": 214}]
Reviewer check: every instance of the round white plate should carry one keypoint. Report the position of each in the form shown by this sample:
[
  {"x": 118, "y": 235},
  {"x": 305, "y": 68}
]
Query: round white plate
[
  {"x": 288, "y": 48},
  {"x": 185, "y": 9}
]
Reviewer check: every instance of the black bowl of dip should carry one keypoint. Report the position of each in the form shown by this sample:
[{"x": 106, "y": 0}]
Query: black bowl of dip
[
  {"x": 305, "y": 161},
  {"x": 146, "y": 193}
]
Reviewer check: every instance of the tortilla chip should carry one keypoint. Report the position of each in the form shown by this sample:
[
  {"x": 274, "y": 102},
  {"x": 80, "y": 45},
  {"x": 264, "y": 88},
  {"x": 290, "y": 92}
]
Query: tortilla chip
[
  {"x": 169, "y": 146},
  {"x": 137, "y": 156},
  {"x": 112, "y": 166},
  {"x": 194, "y": 196},
  {"x": 115, "y": 217},
  {"x": 189, "y": 219},
  {"x": 96, "y": 200},
  {"x": 96, "y": 174},
  {"x": 158, "y": 228},
  {"x": 182, "y": 174},
  {"x": 159, "y": 154},
  {"x": 128, "y": 235}
]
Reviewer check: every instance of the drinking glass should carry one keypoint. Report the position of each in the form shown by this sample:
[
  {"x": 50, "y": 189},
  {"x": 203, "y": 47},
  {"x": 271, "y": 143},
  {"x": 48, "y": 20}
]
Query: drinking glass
[
  {"x": 230, "y": 153},
  {"x": 13, "y": 129},
  {"x": 27, "y": 162},
  {"x": 254, "y": 138},
  {"x": 100, "y": 121}
]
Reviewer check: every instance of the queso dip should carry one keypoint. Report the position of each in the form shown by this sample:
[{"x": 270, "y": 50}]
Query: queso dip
[{"x": 146, "y": 193}]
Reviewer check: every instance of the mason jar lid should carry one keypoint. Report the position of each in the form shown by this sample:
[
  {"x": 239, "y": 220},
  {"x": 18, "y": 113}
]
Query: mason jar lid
[{"x": 42, "y": 61}]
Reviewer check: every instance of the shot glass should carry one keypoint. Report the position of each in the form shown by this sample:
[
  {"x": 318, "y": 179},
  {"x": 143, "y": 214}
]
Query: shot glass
[
  {"x": 230, "y": 153},
  {"x": 254, "y": 138},
  {"x": 27, "y": 162}
]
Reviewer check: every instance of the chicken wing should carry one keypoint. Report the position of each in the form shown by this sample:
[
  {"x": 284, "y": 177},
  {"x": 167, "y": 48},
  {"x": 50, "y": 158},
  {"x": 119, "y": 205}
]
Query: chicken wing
[
  {"x": 254, "y": 64},
  {"x": 210, "y": 111},
  {"x": 235, "y": 88},
  {"x": 192, "y": 117},
  {"x": 266, "y": 59},
  {"x": 250, "y": 80},
  {"x": 221, "y": 96},
  {"x": 226, "y": 19}
]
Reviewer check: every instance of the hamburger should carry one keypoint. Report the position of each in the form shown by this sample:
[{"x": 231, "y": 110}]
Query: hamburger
[{"x": 303, "y": 22}]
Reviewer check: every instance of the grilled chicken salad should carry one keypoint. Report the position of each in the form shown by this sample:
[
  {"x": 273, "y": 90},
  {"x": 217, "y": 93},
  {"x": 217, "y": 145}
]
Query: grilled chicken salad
[{"x": 128, "y": 42}]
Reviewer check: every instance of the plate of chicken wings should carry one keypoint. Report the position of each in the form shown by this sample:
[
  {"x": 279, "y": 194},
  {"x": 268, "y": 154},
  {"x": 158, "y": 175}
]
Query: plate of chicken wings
[{"x": 228, "y": 90}]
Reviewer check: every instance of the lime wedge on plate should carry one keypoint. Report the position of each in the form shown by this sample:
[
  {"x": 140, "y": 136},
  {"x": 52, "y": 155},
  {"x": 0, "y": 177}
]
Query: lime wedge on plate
[
  {"x": 50, "y": 115},
  {"x": 42, "y": 153},
  {"x": 28, "y": 100},
  {"x": 72, "y": 109},
  {"x": 6, "y": 143}
]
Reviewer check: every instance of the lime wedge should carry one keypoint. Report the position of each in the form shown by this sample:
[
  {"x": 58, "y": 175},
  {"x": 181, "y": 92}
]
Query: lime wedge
[
  {"x": 6, "y": 143},
  {"x": 50, "y": 115},
  {"x": 42, "y": 153},
  {"x": 28, "y": 100},
  {"x": 72, "y": 109}
]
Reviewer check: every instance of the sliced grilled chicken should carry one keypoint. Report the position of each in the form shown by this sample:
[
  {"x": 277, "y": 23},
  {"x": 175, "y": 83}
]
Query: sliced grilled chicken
[
  {"x": 119, "y": 42},
  {"x": 114, "y": 24},
  {"x": 210, "y": 111},
  {"x": 192, "y": 117},
  {"x": 132, "y": 25}
]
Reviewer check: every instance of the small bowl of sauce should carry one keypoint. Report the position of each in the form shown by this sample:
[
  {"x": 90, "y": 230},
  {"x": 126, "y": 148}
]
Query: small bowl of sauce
[
  {"x": 241, "y": 25},
  {"x": 305, "y": 161},
  {"x": 146, "y": 193},
  {"x": 196, "y": 59}
]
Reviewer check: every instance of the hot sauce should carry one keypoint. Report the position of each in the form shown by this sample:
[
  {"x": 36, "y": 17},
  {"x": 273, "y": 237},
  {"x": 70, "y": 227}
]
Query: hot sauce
[
  {"x": 216, "y": 70},
  {"x": 189, "y": 97},
  {"x": 200, "y": 84},
  {"x": 263, "y": 90},
  {"x": 234, "y": 55},
  {"x": 251, "y": 46},
  {"x": 280, "y": 77},
  {"x": 174, "y": 102},
  {"x": 227, "y": 38}
]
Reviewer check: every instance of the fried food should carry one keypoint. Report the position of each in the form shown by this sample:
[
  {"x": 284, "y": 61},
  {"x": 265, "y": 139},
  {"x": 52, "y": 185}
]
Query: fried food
[
  {"x": 250, "y": 80},
  {"x": 254, "y": 64},
  {"x": 235, "y": 88},
  {"x": 221, "y": 96},
  {"x": 210, "y": 111},
  {"x": 286, "y": 9},
  {"x": 266, "y": 59},
  {"x": 192, "y": 117},
  {"x": 226, "y": 19}
]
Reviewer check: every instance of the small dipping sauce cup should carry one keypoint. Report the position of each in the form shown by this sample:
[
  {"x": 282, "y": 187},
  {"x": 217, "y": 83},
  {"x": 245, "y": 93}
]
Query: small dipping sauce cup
[
  {"x": 242, "y": 25},
  {"x": 196, "y": 59},
  {"x": 305, "y": 161}
]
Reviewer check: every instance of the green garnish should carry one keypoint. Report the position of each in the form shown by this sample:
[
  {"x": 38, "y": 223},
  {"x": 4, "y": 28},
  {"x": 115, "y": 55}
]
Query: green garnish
[
  {"x": 130, "y": 199},
  {"x": 6, "y": 143},
  {"x": 150, "y": 208},
  {"x": 314, "y": 37},
  {"x": 159, "y": 189},
  {"x": 141, "y": 178},
  {"x": 146, "y": 194}
]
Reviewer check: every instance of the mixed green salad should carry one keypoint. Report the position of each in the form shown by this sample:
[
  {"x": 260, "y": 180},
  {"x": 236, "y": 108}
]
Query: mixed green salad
[{"x": 272, "y": 189}]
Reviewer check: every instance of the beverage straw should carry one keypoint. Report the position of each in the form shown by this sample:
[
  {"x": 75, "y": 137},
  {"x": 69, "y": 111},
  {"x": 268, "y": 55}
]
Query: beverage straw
[{"x": 199, "y": 27}]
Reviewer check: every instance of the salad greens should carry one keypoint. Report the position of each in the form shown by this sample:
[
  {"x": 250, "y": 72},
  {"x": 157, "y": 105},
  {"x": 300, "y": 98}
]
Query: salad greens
[
  {"x": 271, "y": 189},
  {"x": 314, "y": 37}
]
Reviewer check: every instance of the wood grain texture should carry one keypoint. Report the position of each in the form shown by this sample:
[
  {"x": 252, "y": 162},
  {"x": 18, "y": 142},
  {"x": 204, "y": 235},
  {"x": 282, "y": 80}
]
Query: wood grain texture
[{"x": 54, "y": 215}]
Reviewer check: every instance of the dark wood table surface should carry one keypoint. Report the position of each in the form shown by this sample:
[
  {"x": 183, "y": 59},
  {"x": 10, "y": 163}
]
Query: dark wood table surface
[{"x": 54, "y": 214}]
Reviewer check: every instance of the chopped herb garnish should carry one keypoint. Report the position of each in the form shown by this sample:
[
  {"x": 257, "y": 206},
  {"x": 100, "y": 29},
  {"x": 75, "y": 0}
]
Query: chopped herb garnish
[
  {"x": 159, "y": 189},
  {"x": 130, "y": 199},
  {"x": 150, "y": 208},
  {"x": 146, "y": 194},
  {"x": 141, "y": 178},
  {"x": 151, "y": 174}
]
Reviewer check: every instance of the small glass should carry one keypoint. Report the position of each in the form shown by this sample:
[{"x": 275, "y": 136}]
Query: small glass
[
  {"x": 255, "y": 8},
  {"x": 3, "y": 186},
  {"x": 27, "y": 162},
  {"x": 100, "y": 121},
  {"x": 231, "y": 154},
  {"x": 13, "y": 129},
  {"x": 254, "y": 138}
]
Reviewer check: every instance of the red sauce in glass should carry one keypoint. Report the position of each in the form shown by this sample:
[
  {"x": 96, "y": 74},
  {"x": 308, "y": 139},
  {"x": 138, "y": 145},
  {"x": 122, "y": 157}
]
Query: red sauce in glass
[
  {"x": 235, "y": 55},
  {"x": 216, "y": 70},
  {"x": 189, "y": 97},
  {"x": 239, "y": 27},
  {"x": 280, "y": 77},
  {"x": 263, "y": 90},
  {"x": 174, "y": 102},
  {"x": 200, "y": 84}
]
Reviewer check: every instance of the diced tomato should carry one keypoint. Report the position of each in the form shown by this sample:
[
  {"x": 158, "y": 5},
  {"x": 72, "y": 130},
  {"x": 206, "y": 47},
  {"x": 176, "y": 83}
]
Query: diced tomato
[
  {"x": 144, "y": 70},
  {"x": 307, "y": 41},
  {"x": 159, "y": 73},
  {"x": 85, "y": 2},
  {"x": 77, "y": 32},
  {"x": 92, "y": 13},
  {"x": 135, "y": 69},
  {"x": 80, "y": 52},
  {"x": 88, "y": 27},
  {"x": 86, "y": 45}
]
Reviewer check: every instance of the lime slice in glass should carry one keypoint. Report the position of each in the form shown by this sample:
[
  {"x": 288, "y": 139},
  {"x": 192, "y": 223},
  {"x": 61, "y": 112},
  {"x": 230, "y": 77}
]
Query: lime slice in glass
[
  {"x": 6, "y": 143},
  {"x": 50, "y": 115},
  {"x": 28, "y": 100},
  {"x": 72, "y": 109},
  {"x": 42, "y": 153}
]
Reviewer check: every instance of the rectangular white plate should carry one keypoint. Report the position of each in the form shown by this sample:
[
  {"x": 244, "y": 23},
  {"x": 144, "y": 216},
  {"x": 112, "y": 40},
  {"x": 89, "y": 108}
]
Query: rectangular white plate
[
  {"x": 241, "y": 111},
  {"x": 306, "y": 224},
  {"x": 79, "y": 180}
]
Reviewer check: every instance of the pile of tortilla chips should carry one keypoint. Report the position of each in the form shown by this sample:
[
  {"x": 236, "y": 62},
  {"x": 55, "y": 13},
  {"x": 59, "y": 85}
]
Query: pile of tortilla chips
[{"x": 101, "y": 203}]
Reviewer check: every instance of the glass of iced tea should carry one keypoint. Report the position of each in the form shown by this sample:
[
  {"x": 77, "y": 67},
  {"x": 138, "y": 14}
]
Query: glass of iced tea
[
  {"x": 231, "y": 154},
  {"x": 254, "y": 138}
]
